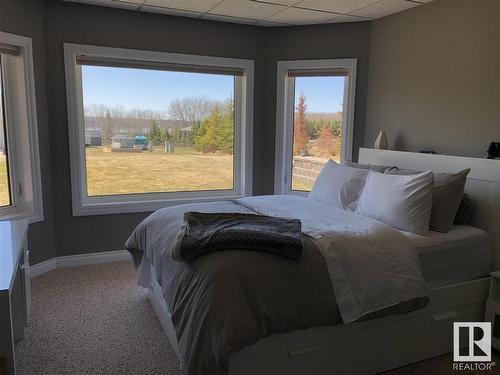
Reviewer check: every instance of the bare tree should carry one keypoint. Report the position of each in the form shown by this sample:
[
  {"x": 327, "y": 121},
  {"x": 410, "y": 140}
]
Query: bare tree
[{"x": 191, "y": 109}]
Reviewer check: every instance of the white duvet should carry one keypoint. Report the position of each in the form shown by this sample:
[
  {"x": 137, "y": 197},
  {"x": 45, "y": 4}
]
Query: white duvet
[{"x": 371, "y": 265}]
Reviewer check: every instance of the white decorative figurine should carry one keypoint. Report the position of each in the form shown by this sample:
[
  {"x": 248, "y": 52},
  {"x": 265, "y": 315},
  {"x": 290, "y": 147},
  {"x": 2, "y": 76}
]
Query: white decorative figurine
[{"x": 381, "y": 142}]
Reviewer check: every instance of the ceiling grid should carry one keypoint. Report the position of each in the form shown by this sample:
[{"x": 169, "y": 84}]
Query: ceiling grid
[{"x": 268, "y": 12}]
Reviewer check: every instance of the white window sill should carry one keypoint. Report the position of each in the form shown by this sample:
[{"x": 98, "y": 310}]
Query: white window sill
[
  {"x": 14, "y": 213},
  {"x": 131, "y": 206}
]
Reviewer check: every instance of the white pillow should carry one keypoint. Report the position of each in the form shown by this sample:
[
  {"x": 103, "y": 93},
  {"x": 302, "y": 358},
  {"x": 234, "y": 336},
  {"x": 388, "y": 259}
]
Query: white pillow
[
  {"x": 403, "y": 202},
  {"x": 339, "y": 185}
]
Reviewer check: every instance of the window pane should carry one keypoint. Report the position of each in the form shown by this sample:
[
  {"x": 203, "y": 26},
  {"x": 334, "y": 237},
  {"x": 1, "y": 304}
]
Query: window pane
[
  {"x": 150, "y": 131},
  {"x": 317, "y": 127},
  {"x": 5, "y": 199}
]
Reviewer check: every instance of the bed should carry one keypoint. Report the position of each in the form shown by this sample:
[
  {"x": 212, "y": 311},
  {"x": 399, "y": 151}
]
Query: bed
[
  {"x": 457, "y": 293},
  {"x": 462, "y": 254}
]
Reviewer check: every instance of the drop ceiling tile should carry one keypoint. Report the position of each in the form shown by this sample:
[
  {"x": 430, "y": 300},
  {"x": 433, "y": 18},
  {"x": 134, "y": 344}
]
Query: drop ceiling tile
[
  {"x": 347, "y": 18},
  {"x": 112, "y": 3},
  {"x": 218, "y": 17},
  {"x": 384, "y": 8},
  {"x": 270, "y": 24},
  {"x": 268, "y": 12},
  {"x": 138, "y": 2},
  {"x": 297, "y": 16},
  {"x": 190, "y": 5},
  {"x": 279, "y": 2},
  {"x": 170, "y": 11},
  {"x": 246, "y": 9},
  {"x": 336, "y": 6}
]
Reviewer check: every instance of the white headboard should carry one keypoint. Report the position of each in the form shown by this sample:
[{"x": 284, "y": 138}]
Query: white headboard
[{"x": 483, "y": 183}]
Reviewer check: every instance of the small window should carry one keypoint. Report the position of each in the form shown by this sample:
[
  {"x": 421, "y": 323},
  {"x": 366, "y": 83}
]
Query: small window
[
  {"x": 314, "y": 120},
  {"x": 317, "y": 126},
  {"x": 5, "y": 196},
  {"x": 20, "y": 183},
  {"x": 152, "y": 129}
]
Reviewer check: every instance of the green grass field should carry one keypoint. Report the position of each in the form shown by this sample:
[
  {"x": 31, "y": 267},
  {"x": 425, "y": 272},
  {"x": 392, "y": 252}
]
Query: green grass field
[
  {"x": 4, "y": 182},
  {"x": 111, "y": 173},
  {"x": 301, "y": 186}
]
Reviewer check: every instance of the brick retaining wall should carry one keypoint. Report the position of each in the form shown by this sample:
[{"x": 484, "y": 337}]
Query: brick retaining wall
[{"x": 306, "y": 168}]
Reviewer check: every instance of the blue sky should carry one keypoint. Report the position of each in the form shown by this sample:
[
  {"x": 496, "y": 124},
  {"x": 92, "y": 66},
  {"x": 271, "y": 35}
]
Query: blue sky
[
  {"x": 323, "y": 94},
  {"x": 150, "y": 89}
]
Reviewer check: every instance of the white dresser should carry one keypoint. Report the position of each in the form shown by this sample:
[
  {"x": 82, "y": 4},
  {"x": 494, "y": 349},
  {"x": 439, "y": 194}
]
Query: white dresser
[{"x": 14, "y": 290}]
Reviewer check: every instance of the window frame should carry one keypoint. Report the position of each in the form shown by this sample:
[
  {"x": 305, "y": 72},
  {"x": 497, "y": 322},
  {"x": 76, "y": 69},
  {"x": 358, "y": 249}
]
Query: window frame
[
  {"x": 144, "y": 202},
  {"x": 21, "y": 139},
  {"x": 285, "y": 102}
]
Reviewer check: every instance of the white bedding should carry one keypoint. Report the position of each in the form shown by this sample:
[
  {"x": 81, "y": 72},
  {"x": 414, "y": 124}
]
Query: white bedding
[
  {"x": 462, "y": 254},
  {"x": 371, "y": 265}
]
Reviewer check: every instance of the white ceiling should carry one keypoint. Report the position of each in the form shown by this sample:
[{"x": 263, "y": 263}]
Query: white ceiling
[{"x": 268, "y": 12}]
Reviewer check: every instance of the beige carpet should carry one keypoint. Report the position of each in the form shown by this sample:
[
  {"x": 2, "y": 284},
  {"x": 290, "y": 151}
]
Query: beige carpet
[{"x": 95, "y": 320}]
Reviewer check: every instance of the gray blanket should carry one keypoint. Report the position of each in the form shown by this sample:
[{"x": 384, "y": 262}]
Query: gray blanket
[{"x": 206, "y": 232}]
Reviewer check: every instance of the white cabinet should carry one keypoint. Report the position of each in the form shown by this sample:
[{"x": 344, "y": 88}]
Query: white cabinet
[{"x": 14, "y": 290}]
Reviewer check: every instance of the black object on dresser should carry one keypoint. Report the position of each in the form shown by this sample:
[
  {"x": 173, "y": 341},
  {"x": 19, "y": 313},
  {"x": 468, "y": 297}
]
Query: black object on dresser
[{"x": 494, "y": 150}]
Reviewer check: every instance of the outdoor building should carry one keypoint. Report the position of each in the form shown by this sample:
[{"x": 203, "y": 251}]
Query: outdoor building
[
  {"x": 93, "y": 137},
  {"x": 122, "y": 141},
  {"x": 140, "y": 142}
]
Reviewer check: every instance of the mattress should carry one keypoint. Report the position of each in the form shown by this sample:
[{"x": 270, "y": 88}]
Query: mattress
[{"x": 462, "y": 254}]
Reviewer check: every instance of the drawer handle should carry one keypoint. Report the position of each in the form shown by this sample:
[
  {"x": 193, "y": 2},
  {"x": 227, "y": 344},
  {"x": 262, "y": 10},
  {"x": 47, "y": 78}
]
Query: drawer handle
[
  {"x": 446, "y": 315},
  {"x": 305, "y": 350}
]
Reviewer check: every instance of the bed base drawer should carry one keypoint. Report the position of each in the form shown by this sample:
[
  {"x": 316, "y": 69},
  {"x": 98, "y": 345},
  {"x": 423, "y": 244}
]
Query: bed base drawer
[
  {"x": 422, "y": 337},
  {"x": 324, "y": 352},
  {"x": 355, "y": 348}
]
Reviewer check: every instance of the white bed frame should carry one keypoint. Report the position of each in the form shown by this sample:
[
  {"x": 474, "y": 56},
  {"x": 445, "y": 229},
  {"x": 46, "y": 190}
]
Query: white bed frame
[{"x": 381, "y": 344}]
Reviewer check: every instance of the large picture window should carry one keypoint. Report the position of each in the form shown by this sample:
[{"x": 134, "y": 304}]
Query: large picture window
[
  {"x": 150, "y": 129},
  {"x": 315, "y": 116}
]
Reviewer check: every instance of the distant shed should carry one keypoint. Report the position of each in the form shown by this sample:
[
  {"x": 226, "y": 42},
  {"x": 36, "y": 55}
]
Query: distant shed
[
  {"x": 122, "y": 141},
  {"x": 93, "y": 137},
  {"x": 140, "y": 140}
]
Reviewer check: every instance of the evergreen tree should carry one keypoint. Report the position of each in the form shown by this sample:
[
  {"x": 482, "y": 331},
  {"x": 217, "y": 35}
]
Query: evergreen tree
[
  {"x": 154, "y": 134},
  {"x": 216, "y": 133},
  {"x": 176, "y": 136},
  {"x": 207, "y": 140},
  {"x": 224, "y": 134},
  {"x": 300, "y": 136},
  {"x": 107, "y": 129},
  {"x": 336, "y": 128},
  {"x": 165, "y": 136}
]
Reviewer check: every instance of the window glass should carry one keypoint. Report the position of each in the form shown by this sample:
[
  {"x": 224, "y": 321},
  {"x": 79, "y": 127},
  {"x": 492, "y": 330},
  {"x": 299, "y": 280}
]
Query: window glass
[
  {"x": 151, "y": 131},
  {"x": 317, "y": 127},
  {"x": 5, "y": 196}
]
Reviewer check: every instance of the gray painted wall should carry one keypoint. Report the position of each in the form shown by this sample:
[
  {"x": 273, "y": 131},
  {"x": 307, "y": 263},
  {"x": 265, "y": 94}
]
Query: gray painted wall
[
  {"x": 58, "y": 22},
  {"x": 343, "y": 40},
  {"x": 435, "y": 77},
  {"x": 25, "y": 17},
  {"x": 76, "y": 23}
]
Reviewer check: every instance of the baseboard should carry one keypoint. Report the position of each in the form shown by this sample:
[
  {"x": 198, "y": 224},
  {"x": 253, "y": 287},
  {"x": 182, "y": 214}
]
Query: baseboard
[
  {"x": 43, "y": 267},
  {"x": 78, "y": 260}
]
